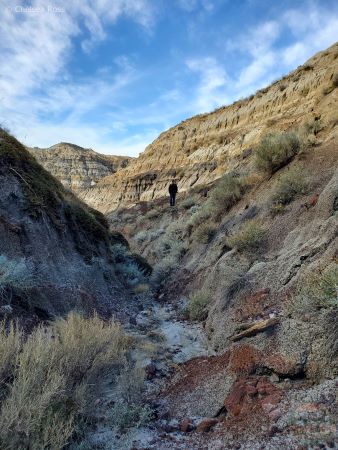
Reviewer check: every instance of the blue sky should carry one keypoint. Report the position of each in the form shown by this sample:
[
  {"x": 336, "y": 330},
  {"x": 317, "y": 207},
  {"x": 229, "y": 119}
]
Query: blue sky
[{"x": 113, "y": 74}]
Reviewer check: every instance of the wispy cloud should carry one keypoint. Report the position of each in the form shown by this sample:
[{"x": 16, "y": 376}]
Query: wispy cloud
[
  {"x": 36, "y": 45},
  {"x": 122, "y": 105},
  {"x": 210, "y": 90}
]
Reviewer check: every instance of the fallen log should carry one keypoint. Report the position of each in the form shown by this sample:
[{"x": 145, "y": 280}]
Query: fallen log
[{"x": 257, "y": 327}]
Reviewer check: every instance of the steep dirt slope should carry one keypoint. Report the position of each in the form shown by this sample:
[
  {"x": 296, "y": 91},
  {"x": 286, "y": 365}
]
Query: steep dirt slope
[
  {"x": 56, "y": 253},
  {"x": 78, "y": 168},
  {"x": 199, "y": 149}
]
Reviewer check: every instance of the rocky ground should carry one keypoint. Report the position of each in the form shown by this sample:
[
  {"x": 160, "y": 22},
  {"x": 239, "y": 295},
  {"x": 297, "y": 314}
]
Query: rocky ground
[{"x": 199, "y": 403}]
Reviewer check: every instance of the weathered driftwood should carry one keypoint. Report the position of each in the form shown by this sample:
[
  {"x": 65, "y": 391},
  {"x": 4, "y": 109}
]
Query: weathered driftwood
[{"x": 257, "y": 327}]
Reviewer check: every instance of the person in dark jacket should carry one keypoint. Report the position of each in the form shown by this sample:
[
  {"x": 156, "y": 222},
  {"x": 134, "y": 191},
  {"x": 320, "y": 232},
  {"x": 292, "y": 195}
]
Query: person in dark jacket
[{"x": 172, "y": 192}]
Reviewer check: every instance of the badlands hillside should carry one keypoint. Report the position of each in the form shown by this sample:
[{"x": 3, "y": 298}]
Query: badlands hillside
[
  {"x": 77, "y": 168},
  {"x": 201, "y": 149}
]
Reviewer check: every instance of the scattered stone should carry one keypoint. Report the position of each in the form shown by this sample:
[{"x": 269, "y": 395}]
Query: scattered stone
[
  {"x": 274, "y": 378},
  {"x": 150, "y": 371},
  {"x": 206, "y": 425},
  {"x": 186, "y": 426},
  {"x": 168, "y": 428}
]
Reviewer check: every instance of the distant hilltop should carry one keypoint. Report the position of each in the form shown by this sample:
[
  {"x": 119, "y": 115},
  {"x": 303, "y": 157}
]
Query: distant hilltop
[{"x": 77, "y": 167}]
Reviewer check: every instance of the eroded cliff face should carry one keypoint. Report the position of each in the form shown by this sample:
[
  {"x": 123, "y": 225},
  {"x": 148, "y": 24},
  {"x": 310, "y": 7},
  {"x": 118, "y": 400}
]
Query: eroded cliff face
[
  {"x": 200, "y": 149},
  {"x": 78, "y": 168}
]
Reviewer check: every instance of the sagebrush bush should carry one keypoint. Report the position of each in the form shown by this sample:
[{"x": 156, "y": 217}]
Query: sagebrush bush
[
  {"x": 171, "y": 244},
  {"x": 188, "y": 202},
  {"x": 11, "y": 341},
  {"x": 197, "y": 307},
  {"x": 275, "y": 150},
  {"x": 152, "y": 214},
  {"x": 250, "y": 238},
  {"x": 204, "y": 233},
  {"x": 228, "y": 191},
  {"x": 130, "y": 410},
  {"x": 200, "y": 215},
  {"x": 290, "y": 185},
  {"x": 319, "y": 290},
  {"x": 162, "y": 272},
  {"x": 53, "y": 379},
  {"x": 130, "y": 266}
]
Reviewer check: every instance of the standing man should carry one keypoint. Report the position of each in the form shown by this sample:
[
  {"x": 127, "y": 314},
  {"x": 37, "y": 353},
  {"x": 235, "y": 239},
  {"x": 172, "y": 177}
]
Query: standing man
[{"x": 172, "y": 192}]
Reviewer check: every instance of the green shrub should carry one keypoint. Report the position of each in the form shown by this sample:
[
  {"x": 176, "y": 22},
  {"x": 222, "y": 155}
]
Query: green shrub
[
  {"x": 197, "y": 308},
  {"x": 141, "y": 236},
  {"x": 276, "y": 150},
  {"x": 250, "y": 238},
  {"x": 130, "y": 410},
  {"x": 200, "y": 215},
  {"x": 204, "y": 233},
  {"x": 152, "y": 214},
  {"x": 319, "y": 290},
  {"x": 162, "y": 272},
  {"x": 313, "y": 127},
  {"x": 228, "y": 191},
  {"x": 290, "y": 185},
  {"x": 169, "y": 246},
  {"x": 52, "y": 378},
  {"x": 130, "y": 415},
  {"x": 188, "y": 202}
]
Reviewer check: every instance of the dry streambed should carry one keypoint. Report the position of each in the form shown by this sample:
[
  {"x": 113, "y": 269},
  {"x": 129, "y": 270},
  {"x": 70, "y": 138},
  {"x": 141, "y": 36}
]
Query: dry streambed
[{"x": 164, "y": 341}]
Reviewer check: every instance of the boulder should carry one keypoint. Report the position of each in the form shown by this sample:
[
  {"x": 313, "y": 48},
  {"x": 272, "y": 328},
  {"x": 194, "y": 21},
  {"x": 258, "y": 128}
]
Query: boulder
[{"x": 206, "y": 425}]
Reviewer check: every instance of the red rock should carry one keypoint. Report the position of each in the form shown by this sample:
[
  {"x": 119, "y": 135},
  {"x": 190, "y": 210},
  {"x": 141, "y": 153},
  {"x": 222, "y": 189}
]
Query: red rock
[
  {"x": 206, "y": 425},
  {"x": 235, "y": 399},
  {"x": 186, "y": 425},
  {"x": 270, "y": 402},
  {"x": 251, "y": 391}
]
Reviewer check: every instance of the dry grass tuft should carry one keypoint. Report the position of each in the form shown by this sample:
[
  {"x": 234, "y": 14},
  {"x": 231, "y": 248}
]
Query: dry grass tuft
[
  {"x": 197, "y": 308},
  {"x": 290, "y": 185},
  {"x": 52, "y": 376},
  {"x": 250, "y": 239}
]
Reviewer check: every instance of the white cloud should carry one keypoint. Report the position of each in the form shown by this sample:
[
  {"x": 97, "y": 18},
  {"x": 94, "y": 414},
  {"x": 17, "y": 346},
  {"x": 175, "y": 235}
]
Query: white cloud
[
  {"x": 36, "y": 45},
  {"x": 36, "y": 89},
  {"x": 210, "y": 91},
  {"x": 310, "y": 28}
]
